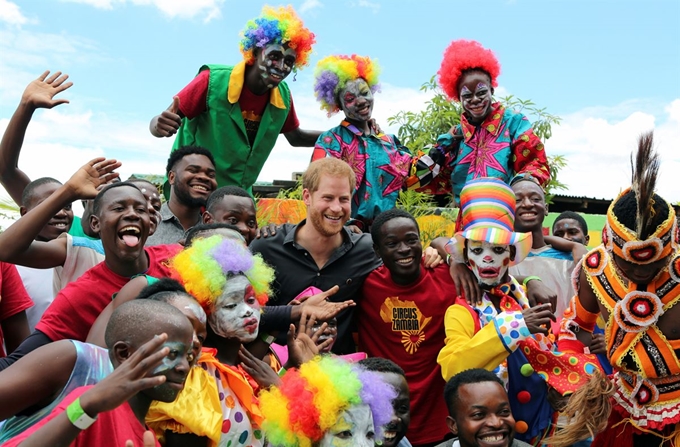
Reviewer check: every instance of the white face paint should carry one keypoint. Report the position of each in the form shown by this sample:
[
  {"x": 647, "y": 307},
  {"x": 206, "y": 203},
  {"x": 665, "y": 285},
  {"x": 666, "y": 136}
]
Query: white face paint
[
  {"x": 236, "y": 313},
  {"x": 275, "y": 62},
  {"x": 356, "y": 100},
  {"x": 354, "y": 428},
  {"x": 489, "y": 262},
  {"x": 197, "y": 311}
]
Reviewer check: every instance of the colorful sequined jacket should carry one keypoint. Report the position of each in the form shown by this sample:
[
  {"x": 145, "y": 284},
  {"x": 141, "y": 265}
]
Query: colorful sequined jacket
[{"x": 503, "y": 146}]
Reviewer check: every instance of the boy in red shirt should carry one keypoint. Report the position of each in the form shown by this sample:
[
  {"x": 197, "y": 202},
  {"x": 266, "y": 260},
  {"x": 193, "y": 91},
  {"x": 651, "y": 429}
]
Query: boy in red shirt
[{"x": 401, "y": 318}]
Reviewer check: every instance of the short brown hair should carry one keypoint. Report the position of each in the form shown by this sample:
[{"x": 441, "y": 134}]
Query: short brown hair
[{"x": 333, "y": 167}]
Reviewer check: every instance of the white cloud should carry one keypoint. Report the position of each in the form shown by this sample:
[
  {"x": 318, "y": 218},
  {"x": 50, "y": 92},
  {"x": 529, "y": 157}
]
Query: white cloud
[
  {"x": 598, "y": 149},
  {"x": 10, "y": 13},
  {"x": 375, "y": 7},
  {"x": 309, "y": 5},
  {"x": 208, "y": 9}
]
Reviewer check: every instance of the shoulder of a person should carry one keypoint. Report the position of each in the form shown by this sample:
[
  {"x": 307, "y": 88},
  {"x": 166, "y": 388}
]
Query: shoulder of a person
[{"x": 162, "y": 251}]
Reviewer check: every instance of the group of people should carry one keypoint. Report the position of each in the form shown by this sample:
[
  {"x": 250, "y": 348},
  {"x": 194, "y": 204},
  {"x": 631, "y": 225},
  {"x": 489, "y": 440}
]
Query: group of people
[{"x": 179, "y": 322}]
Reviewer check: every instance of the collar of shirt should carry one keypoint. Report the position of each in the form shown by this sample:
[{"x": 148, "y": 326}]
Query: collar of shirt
[
  {"x": 166, "y": 213},
  {"x": 492, "y": 123},
  {"x": 355, "y": 130},
  {"x": 237, "y": 82},
  {"x": 347, "y": 241}
]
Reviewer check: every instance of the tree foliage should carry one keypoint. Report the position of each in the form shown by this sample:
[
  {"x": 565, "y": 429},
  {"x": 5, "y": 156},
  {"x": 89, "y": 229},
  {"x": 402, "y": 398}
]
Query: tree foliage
[{"x": 418, "y": 129}]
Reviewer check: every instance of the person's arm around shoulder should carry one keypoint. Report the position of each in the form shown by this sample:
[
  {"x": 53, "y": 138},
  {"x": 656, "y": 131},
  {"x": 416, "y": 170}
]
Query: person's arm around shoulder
[
  {"x": 17, "y": 241},
  {"x": 577, "y": 249},
  {"x": 39, "y": 94},
  {"x": 302, "y": 138}
]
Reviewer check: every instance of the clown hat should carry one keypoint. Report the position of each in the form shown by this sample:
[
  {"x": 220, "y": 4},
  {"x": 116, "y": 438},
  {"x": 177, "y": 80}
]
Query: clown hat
[{"x": 487, "y": 210}]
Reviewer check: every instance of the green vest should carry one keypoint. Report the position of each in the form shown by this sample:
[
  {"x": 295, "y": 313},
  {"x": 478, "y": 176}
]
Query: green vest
[{"x": 221, "y": 130}]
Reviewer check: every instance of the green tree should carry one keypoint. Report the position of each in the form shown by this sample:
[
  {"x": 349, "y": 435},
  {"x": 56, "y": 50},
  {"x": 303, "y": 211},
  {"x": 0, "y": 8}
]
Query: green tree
[{"x": 418, "y": 129}]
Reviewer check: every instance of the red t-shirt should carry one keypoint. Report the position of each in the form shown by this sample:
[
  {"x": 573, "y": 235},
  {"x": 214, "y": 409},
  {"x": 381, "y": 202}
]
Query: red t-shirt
[
  {"x": 112, "y": 428},
  {"x": 193, "y": 101},
  {"x": 75, "y": 309},
  {"x": 13, "y": 296},
  {"x": 406, "y": 325}
]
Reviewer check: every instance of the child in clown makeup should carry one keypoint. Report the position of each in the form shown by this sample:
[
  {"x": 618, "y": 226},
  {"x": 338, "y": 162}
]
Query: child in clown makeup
[
  {"x": 220, "y": 405},
  {"x": 381, "y": 164},
  {"x": 327, "y": 402},
  {"x": 490, "y": 140}
]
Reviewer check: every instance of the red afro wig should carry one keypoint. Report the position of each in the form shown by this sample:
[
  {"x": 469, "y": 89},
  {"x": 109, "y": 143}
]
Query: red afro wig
[{"x": 462, "y": 55}]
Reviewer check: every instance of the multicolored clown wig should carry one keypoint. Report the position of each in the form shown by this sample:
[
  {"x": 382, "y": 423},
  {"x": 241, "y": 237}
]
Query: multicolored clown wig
[
  {"x": 310, "y": 400},
  {"x": 205, "y": 268},
  {"x": 332, "y": 74},
  {"x": 277, "y": 25},
  {"x": 460, "y": 56}
]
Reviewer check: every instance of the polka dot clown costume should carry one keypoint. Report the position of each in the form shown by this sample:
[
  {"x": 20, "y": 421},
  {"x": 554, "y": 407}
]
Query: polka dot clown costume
[{"x": 495, "y": 329}]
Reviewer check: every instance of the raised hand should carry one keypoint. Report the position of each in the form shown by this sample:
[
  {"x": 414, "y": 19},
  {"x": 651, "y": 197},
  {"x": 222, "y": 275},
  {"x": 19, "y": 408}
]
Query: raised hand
[
  {"x": 86, "y": 181},
  {"x": 167, "y": 123},
  {"x": 263, "y": 374},
  {"x": 320, "y": 307},
  {"x": 538, "y": 318},
  {"x": 40, "y": 93},
  {"x": 128, "y": 379},
  {"x": 302, "y": 344}
]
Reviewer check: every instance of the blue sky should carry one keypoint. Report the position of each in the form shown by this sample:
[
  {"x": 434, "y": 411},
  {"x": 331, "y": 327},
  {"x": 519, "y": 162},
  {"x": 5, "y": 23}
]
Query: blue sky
[{"x": 610, "y": 69}]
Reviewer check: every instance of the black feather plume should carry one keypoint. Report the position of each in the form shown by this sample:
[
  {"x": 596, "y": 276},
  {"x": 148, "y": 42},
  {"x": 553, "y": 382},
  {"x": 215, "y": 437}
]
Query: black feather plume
[{"x": 645, "y": 171}]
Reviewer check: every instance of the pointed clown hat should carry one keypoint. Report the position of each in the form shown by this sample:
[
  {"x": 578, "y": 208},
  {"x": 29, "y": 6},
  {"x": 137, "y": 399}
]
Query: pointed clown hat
[{"x": 487, "y": 207}]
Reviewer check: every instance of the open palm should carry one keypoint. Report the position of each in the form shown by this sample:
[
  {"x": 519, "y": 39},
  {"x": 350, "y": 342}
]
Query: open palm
[{"x": 40, "y": 93}]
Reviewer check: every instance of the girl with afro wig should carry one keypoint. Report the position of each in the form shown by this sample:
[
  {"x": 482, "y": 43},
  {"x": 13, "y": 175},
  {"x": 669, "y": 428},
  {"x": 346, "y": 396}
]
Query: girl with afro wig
[
  {"x": 381, "y": 164},
  {"x": 220, "y": 403},
  {"x": 327, "y": 398},
  {"x": 490, "y": 140}
]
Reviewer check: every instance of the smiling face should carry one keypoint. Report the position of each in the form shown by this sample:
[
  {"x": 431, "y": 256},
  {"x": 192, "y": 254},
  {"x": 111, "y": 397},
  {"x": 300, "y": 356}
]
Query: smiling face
[
  {"x": 396, "y": 429},
  {"x": 192, "y": 179},
  {"x": 154, "y": 200},
  {"x": 123, "y": 223},
  {"x": 489, "y": 262},
  {"x": 400, "y": 249},
  {"x": 354, "y": 428},
  {"x": 236, "y": 313},
  {"x": 329, "y": 207},
  {"x": 356, "y": 100},
  {"x": 482, "y": 416},
  {"x": 475, "y": 95},
  {"x": 235, "y": 210},
  {"x": 274, "y": 63},
  {"x": 530, "y": 207},
  {"x": 60, "y": 222}
]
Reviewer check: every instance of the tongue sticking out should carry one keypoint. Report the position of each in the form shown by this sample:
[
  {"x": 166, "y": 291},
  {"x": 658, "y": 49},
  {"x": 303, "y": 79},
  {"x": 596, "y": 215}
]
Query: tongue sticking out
[{"x": 130, "y": 240}]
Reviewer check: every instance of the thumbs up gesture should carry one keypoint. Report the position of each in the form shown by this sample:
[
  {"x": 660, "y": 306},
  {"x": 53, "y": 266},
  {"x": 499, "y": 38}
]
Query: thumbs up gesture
[{"x": 167, "y": 123}]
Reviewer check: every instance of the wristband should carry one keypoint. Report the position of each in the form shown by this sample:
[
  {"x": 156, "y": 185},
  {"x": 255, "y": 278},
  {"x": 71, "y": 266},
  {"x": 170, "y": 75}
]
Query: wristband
[
  {"x": 77, "y": 415},
  {"x": 529, "y": 278},
  {"x": 282, "y": 371}
]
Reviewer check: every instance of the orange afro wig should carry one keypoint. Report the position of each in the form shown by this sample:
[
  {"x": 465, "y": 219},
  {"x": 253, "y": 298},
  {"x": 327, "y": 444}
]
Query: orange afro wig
[{"x": 460, "y": 56}]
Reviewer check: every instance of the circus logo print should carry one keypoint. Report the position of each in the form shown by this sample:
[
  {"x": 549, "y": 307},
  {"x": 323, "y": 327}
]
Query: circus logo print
[{"x": 405, "y": 317}]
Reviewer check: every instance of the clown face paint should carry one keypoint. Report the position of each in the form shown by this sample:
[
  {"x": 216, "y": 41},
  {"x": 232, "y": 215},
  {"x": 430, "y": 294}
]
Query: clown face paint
[
  {"x": 356, "y": 100},
  {"x": 178, "y": 352},
  {"x": 354, "y": 428},
  {"x": 236, "y": 313},
  {"x": 275, "y": 62},
  {"x": 489, "y": 262},
  {"x": 475, "y": 95}
]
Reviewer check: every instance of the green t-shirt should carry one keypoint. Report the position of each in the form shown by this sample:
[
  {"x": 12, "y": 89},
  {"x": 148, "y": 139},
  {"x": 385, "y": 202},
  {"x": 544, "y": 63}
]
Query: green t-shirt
[{"x": 77, "y": 229}]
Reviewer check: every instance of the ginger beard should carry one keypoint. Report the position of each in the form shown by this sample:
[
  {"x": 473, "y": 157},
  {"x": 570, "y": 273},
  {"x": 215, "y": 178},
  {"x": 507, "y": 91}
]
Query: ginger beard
[
  {"x": 354, "y": 428},
  {"x": 236, "y": 313},
  {"x": 489, "y": 262}
]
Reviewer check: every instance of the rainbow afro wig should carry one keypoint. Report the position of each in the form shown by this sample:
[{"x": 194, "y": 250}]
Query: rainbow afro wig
[
  {"x": 277, "y": 25},
  {"x": 462, "y": 55},
  {"x": 309, "y": 400},
  {"x": 205, "y": 267},
  {"x": 333, "y": 72}
]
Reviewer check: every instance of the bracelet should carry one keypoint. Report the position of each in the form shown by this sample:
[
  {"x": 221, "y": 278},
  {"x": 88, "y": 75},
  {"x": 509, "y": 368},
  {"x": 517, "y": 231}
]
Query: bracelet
[
  {"x": 448, "y": 259},
  {"x": 529, "y": 278},
  {"x": 77, "y": 415}
]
